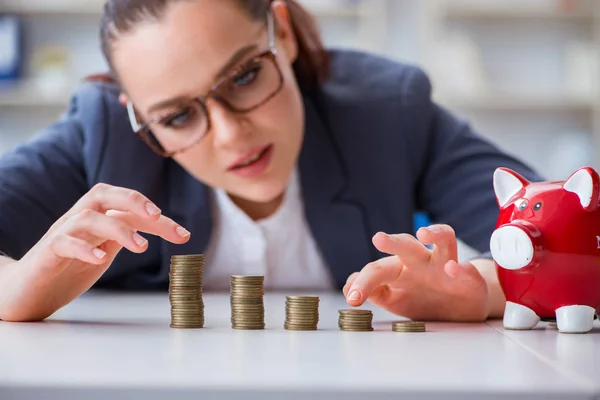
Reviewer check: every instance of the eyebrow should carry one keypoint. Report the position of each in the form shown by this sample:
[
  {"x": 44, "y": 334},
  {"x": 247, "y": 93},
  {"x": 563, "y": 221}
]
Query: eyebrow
[{"x": 236, "y": 58}]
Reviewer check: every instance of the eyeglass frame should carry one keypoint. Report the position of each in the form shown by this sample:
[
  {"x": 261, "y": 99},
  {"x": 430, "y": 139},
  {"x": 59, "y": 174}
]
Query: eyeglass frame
[{"x": 143, "y": 132}]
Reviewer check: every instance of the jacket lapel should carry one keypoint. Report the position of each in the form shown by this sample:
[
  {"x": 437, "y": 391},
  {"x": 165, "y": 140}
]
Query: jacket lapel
[{"x": 338, "y": 223}]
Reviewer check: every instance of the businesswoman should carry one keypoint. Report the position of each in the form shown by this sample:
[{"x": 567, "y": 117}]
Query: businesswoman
[{"x": 227, "y": 129}]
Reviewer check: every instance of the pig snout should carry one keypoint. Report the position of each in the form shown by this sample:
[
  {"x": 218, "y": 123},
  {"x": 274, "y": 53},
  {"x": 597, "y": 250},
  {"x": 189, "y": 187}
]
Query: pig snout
[{"x": 512, "y": 246}]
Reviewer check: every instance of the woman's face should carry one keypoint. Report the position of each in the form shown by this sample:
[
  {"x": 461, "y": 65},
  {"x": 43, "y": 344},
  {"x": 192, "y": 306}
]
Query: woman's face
[{"x": 163, "y": 65}]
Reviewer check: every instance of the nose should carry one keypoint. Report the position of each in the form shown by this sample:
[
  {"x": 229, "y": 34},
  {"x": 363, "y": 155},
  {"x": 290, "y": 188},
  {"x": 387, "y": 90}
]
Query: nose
[
  {"x": 511, "y": 247},
  {"x": 227, "y": 126}
]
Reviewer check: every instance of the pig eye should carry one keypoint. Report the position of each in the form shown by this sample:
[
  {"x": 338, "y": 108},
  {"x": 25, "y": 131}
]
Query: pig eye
[
  {"x": 537, "y": 206},
  {"x": 522, "y": 205}
]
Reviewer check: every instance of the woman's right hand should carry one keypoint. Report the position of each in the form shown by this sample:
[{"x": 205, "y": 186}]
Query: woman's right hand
[{"x": 79, "y": 248}]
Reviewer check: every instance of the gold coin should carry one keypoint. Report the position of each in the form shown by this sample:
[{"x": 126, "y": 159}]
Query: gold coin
[
  {"x": 302, "y": 298},
  {"x": 187, "y": 257},
  {"x": 357, "y": 312},
  {"x": 247, "y": 277},
  {"x": 184, "y": 326},
  {"x": 357, "y": 330},
  {"x": 300, "y": 328},
  {"x": 293, "y": 323}
]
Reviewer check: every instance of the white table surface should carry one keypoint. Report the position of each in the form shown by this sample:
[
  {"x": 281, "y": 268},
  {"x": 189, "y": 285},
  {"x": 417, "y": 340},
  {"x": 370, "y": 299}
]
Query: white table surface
[{"x": 121, "y": 347}]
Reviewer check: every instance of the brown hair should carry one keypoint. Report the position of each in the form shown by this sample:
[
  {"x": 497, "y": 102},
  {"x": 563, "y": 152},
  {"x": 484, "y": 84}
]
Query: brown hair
[{"x": 311, "y": 66}]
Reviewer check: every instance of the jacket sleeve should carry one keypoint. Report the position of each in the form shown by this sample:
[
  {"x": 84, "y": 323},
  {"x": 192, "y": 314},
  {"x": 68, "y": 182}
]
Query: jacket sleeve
[
  {"x": 455, "y": 168},
  {"x": 39, "y": 182}
]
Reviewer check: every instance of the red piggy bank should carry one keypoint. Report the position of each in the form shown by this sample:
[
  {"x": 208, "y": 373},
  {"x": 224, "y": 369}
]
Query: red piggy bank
[{"x": 546, "y": 247}]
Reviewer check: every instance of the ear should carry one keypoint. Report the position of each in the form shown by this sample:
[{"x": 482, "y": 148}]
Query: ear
[
  {"x": 123, "y": 99},
  {"x": 284, "y": 30},
  {"x": 585, "y": 184},
  {"x": 507, "y": 183}
]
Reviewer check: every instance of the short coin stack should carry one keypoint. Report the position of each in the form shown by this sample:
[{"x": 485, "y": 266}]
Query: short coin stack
[
  {"x": 247, "y": 306},
  {"x": 408, "y": 326},
  {"x": 301, "y": 313},
  {"x": 185, "y": 291},
  {"x": 356, "y": 320}
]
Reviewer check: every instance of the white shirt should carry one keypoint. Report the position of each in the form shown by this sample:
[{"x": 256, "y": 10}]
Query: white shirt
[{"x": 280, "y": 248}]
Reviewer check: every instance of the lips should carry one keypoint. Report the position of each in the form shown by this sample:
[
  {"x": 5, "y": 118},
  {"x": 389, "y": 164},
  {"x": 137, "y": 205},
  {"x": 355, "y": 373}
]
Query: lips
[
  {"x": 254, "y": 164},
  {"x": 249, "y": 158}
]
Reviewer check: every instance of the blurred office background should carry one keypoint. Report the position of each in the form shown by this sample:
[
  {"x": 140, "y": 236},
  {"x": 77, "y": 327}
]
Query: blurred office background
[{"x": 523, "y": 72}]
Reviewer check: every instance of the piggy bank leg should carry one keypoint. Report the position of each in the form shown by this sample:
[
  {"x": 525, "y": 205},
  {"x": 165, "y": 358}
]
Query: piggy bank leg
[
  {"x": 575, "y": 319},
  {"x": 517, "y": 316}
]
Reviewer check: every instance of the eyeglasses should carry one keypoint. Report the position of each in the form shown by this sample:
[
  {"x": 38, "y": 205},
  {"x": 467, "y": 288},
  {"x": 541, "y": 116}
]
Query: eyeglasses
[{"x": 243, "y": 90}]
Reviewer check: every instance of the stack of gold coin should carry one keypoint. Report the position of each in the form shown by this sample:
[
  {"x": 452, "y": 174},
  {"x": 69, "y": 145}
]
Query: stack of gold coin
[
  {"x": 301, "y": 313},
  {"x": 356, "y": 320},
  {"x": 185, "y": 291},
  {"x": 247, "y": 306},
  {"x": 408, "y": 326}
]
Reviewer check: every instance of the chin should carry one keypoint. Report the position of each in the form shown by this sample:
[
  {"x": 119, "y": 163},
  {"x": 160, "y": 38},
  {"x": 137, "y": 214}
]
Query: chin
[{"x": 265, "y": 193}]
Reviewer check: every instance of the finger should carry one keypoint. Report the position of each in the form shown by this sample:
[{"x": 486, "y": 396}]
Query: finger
[
  {"x": 349, "y": 282},
  {"x": 444, "y": 240},
  {"x": 69, "y": 247},
  {"x": 104, "y": 197},
  {"x": 463, "y": 271},
  {"x": 391, "y": 299},
  {"x": 381, "y": 296},
  {"x": 373, "y": 275},
  {"x": 163, "y": 227},
  {"x": 101, "y": 226},
  {"x": 406, "y": 247}
]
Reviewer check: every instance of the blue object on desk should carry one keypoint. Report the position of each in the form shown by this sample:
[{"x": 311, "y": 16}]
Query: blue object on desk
[{"x": 11, "y": 47}]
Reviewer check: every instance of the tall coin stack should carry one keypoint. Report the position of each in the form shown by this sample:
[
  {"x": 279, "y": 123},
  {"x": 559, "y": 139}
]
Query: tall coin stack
[
  {"x": 356, "y": 320},
  {"x": 185, "y": 291},
  {"x": 301, "y": 313},
  {"x": 247, "y": 306}
]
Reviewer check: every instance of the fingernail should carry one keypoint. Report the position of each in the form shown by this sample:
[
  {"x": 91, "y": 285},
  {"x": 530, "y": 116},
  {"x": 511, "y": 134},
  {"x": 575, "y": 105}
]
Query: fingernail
[
  {"x": 433, "y": 228},
  {"x": 140, "y": 240},
  {"x": 99, "y": 253},
  {"x": 183, "y": 232},
  {"x": 152, "y": 209},
  {"x": 354, "y": 295},
  {"x": 383, "y": 235}
]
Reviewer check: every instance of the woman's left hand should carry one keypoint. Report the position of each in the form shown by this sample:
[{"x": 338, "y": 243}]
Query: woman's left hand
[{"x": 419, "y": 283}]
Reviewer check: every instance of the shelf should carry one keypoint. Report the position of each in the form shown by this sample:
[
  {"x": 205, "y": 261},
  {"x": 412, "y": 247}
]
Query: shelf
[
  {"x": 518, "y": 102},
  {"x": 28, "y": 94},
  {"x": 514, "y": 13},
  {"x": 339, "y": 9},
  {"x": 92, "y": 7}
]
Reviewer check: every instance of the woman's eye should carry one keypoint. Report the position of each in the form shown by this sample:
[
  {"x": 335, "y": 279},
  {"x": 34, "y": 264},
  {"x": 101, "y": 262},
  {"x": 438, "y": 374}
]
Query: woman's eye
[
  {"x": 248, "y": 76},
  {"x": 537, "y": 206},
  {"x": 179, "y": 119}
]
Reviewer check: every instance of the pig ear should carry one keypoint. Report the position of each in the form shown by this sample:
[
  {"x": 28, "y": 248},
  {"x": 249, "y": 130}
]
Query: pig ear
[
  {"x": 507, "y": 183},
  {"x": 584, "y": 183}
]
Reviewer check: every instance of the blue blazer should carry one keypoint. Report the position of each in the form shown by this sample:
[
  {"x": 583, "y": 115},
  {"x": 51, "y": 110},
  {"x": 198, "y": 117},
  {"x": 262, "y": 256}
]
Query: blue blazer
[{"x": 376, "y": 150}]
